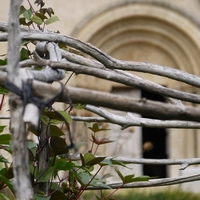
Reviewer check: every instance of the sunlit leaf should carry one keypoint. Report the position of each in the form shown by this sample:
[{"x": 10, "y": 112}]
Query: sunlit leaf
[
  {"x": 27, "y": 14},
  {"x": 51, "y": 20},
  {"x": 37, "y": 20}
]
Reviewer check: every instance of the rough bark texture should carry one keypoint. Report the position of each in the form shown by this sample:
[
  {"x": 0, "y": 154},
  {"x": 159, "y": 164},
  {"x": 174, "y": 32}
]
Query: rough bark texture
[
  {"x": 22, "y": 183},
  {"x": 44, "y": 156}
]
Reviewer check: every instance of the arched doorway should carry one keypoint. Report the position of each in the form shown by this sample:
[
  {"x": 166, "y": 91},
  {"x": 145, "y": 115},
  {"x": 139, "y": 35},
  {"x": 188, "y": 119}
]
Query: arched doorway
[{"x": 151, "y": 31}]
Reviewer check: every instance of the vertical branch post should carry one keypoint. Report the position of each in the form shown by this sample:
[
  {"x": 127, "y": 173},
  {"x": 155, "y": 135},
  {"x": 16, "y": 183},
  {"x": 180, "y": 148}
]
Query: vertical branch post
[
  {"x": 22, "y": 182},
  {"x": 44, "y": 156}
]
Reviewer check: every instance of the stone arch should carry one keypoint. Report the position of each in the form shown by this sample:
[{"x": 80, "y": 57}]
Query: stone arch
[{"x": 149, "y": 31}]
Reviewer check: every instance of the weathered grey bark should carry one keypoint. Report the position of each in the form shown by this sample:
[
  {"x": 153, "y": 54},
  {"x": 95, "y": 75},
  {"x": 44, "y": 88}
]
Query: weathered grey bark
[
  {"x": 43, "y": 152},
  {"x": 22, "y": 182}
]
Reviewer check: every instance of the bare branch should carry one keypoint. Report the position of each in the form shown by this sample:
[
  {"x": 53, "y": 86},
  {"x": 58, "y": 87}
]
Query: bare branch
[
  {"x": 153, "y": 183},
  {"x": 130, "y": 120}
]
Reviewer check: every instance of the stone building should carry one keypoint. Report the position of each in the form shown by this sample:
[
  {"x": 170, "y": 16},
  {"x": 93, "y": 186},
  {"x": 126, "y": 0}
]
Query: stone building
[{"x": 164, "y": 32}]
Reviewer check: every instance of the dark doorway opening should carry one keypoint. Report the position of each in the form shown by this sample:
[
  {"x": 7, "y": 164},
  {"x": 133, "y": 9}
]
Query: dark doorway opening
[{"x": 154, "y": 143}]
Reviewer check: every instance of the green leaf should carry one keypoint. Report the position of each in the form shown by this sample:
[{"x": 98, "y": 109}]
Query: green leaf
[
  {"x": 58, "y": 195},
  {"x": 24, "y": 53},
  {"x": 5, "y": 139},
  {"x": 97, "y": 128},
  {"x": 98, "y": 183},
  {"x": 2, "y": 127},
  {"x": 3, "y": 62},
  {"x": 3, "y": 197},
  {"x": 3, "y": 91},
  {"x": 120, "y": 175},
  {"x": 4, "y": 160},
  {"x": 84, "y": 176},
  {"x": 22, "y": 9},
  {"x": 50, "y": 11},
  {"x": 88, "y": 157},
  {"x": 45, "y": 175},
  {"x": 62, "y": 164},
  {"x": 128, "y": 178},
  {"x": 59, "y": 115},
  {"x": 31, "y": 144},
  {"x": 95, "y": 161},
  {"x": 37, "y": 20},
  {"x": 58, "y": 145},
  {"x": 27, "y": 14},
  {"x": 44, "y": 120},
  {"x": 41, "y": 16},
  {"x": 65, "y": 115},
  {"x": 97, "y": 197},
  {"x": 51, "y": 20},
  {"x": 55, "y": 131},
  {"x": 115, "y": 162},
  {"x": 141, "y": 178},
  {"x": 7, "y": 182}
]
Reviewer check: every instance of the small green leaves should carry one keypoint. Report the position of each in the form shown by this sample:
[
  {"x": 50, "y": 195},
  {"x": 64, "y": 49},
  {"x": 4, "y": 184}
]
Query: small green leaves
[
  {"x": 51, "y": 20},
  {"x": 36, "y": 20},
  {"x": 97, "y": 128},
  {"x": 42, "y": 16},
  {"x": 131, "y": 178}
]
